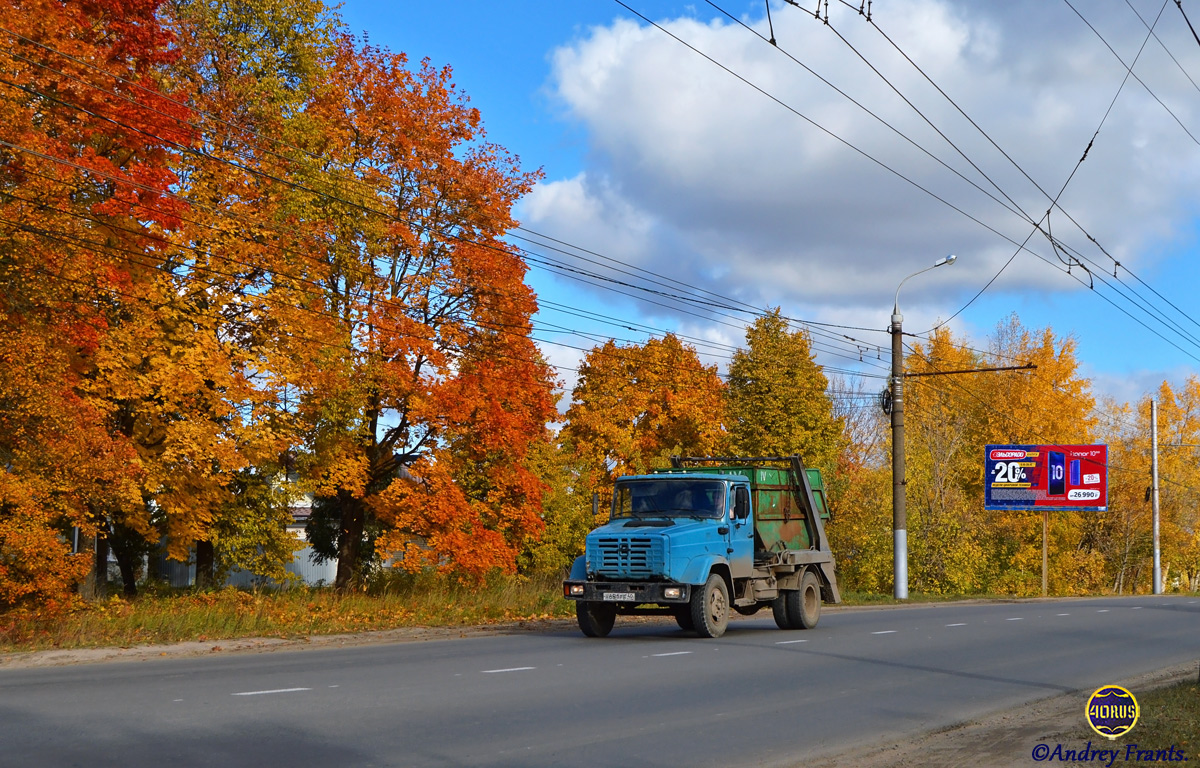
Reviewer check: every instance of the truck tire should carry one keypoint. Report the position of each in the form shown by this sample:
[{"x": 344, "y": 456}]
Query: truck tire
[
  {"x": 780, "y": 611},
  {"x": 710, "y": 607},
  {"x": 595, "y": 619},
  {"x": 804, "y": 604},
  {"x": 683, "y": 617}
]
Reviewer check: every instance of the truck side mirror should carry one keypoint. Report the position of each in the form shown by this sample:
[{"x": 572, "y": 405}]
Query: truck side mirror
[{"x": 741, "y": 504}]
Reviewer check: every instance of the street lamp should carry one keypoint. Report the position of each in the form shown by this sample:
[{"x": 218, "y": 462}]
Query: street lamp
[{"x": 899, "y": 513}]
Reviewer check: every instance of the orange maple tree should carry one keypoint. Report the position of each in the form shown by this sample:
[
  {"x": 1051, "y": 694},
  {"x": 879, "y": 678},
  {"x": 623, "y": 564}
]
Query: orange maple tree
[
  {"x": 84, "y": 168},
  {"x": 405, "y": 325}
]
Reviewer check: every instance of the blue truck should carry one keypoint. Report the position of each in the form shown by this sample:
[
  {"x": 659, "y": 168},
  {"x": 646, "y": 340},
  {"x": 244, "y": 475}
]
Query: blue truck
[{"x": 705, "y": 537}]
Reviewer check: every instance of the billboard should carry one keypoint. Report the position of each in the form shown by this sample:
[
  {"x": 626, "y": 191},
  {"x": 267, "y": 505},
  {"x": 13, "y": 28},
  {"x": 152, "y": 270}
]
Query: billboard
[{"x": 1072, "y": 477}]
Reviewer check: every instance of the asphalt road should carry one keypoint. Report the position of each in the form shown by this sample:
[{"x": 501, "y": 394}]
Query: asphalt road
[{"x": 648, "y": 695}]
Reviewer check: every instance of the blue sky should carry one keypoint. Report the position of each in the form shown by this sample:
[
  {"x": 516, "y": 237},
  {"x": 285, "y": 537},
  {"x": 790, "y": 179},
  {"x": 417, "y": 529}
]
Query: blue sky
[{"x": 783, "y": 191}]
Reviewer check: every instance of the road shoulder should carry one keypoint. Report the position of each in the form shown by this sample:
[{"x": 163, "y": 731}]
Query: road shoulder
[{"x": 1000, "y": 739}]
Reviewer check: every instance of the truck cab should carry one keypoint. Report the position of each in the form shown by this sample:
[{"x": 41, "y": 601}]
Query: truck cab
[{"x": 686, "y": 541}]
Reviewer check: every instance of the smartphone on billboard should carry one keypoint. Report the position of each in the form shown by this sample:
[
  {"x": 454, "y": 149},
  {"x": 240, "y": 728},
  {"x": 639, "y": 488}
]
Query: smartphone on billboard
[
  {"x": 1075, "y": 473},
  {"x": 1056, "y": 466}
]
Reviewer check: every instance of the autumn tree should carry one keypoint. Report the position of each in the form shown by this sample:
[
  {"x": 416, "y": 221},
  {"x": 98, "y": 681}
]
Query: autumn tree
[
  {"x": 566, "y": 510},
  {"x": 400, "y": 322},
  {"x": 247, "y": 68},
  {"x": 778, "y": 404},
  {"x": 1179, "y": 483},
  {"x": 1124, "y": 532},
  {"x": 634, "y": 405},
  {"x": 85, "y": 177},
  {"x": 859, "y": 488},
  {"x": 955, "y": 546},
  {"x": 944, "y": 522}
]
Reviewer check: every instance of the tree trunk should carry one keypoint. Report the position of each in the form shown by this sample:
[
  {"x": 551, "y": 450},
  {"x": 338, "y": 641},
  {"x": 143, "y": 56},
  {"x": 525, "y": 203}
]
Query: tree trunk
[
  {"x": 349, "y": 569},
  {"x": 126, "y": 562},
  {"x": 206, "y": 561},
  {"x": 128, "y": 547},
  {"x": 100, "y": 568}
]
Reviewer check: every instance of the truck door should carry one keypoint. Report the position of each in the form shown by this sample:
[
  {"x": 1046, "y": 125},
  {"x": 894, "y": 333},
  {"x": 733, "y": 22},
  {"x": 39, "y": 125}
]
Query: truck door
[{"x": 741, "y": 534}]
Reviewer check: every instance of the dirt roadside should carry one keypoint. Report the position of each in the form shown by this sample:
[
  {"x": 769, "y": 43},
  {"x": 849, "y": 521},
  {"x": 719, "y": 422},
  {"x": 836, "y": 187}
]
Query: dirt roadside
[{"x": 1002, "y": 739}]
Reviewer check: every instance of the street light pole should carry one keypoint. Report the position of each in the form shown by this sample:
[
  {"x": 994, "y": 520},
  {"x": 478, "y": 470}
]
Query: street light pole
[{"x": 899, "y": 509}]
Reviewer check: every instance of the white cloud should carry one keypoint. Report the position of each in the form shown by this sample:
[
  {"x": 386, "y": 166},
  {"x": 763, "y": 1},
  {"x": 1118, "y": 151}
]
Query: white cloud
[{"x": 694, "y": 174}]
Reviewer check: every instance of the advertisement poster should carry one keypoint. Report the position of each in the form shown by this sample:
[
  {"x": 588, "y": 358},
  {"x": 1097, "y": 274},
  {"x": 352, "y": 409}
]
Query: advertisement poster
[{"x": 1069, "y": 477}]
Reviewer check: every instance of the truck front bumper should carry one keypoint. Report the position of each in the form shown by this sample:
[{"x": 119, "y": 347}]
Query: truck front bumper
[{"x": 627, "y": 593}]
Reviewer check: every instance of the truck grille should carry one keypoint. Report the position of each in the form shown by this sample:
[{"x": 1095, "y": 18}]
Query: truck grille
[{"x": 626, "y": 557}]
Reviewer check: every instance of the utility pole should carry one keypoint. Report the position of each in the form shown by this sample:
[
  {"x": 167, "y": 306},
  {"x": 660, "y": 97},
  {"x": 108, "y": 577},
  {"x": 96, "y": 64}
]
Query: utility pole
[
  {"x": 899, "y": 511},
  {"x": 1154, "y": 493}
]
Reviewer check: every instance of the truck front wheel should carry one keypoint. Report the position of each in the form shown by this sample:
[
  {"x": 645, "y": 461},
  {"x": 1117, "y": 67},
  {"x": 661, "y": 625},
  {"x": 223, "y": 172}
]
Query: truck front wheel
[
  {"x": 710, "y": 607},
  {"x": 779, "y": 610},
  {"x": 595, "y": 619}
]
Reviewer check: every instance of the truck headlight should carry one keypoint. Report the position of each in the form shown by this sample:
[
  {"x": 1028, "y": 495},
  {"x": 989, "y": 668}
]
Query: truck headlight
[
  {"x": 575, "y": 590},
  {"x": 672, "y": 593}
]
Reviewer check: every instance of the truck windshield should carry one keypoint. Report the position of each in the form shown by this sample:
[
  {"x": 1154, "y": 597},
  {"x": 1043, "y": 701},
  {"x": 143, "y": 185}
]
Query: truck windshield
[{"x": 674, "y": 497}]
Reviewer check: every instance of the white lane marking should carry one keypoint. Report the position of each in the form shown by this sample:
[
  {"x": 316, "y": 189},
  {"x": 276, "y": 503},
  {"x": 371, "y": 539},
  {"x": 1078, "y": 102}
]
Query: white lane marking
[
  {"x": 1017, "y": 618},
  {"x": 1137, "y": 607},
  {"x": 264, "y": 693},
  {"x": 1102, "y": 610},
  {"x": 1064, "y": 614},
  {"x": 673, "y": 653},
  {"x": 509, "y": 669},
  {"x": 178, "y": 700},
  {"x": 789, "y": 642},
  {"x": 885, "y": 632},
  {"x": 960, "y": 624},
  {"x": 335, "y": 686}
]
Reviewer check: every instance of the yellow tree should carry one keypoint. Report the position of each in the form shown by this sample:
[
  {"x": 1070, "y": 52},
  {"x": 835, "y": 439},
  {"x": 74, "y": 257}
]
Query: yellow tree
[
  {"x": 860, "y": 492},
  {"x": 247, "y": 69},
  {"x": 777, "y": 399},
  {"x": 956, "y": 545},
  {"x": 943, "y": 517},
  {"x": 1050, "y": 404},
  {"x": 635, "y": 405},
  {"x": 1179, "y": 490},
  {"x": 1123, "y": 532}
]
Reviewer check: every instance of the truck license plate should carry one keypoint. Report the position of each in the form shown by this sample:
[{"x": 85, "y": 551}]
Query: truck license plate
[{"x": 618, "y": 597}]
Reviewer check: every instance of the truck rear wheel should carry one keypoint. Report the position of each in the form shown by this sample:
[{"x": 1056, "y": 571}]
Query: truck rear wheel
[
  {"x": 595, "y": 619},
  {"x": 804, "y": 605},
  {"x": 710, "y": 607},
  {"x": 683, "y": 617},
  {"x": 799, "y": 608}
]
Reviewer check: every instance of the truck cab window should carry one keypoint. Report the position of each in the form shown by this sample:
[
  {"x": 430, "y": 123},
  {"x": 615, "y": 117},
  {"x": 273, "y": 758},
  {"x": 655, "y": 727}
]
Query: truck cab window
[{"x": 670, "y": 497}]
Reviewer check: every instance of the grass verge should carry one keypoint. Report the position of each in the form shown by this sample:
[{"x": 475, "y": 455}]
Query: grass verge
[{"x": 232, "y": 613}]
